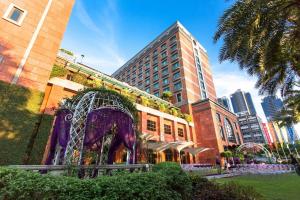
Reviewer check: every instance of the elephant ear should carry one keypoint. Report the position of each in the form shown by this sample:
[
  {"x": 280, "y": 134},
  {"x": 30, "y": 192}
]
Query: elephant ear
[
  {"x": 60, "y": 134},
  {"x": 98, "y": 123}
]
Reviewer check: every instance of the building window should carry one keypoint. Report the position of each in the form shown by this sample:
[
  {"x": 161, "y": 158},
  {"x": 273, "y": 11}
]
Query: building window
[
  {"x": 219, "y": 117},
  {"x": 147, "y": 81},
  {"x": 164, "y": 54},
  {"x": 155, "y": 53},
  {"x": 222, "y": 133},
  {"x": 167, "y": 129},
  {"x": 164, "y": 63},
  {"x": 15, "y": 14},
  {"x": 165, "y": 71},
  {"x": 180, "y": 132},
  {"x": 151, "y": 125},
  {"x": 147, "y": 73},
  {"x": 163, "y": 47},
  {"x": 178, "y": 97},
  {"x": 177, "y": 86},
  {"x": 147, "y": 90},
  {"x": 156, "y": 94},
  {"x": 175, "y": 66},
  {"x": 229, "y": 131},
  {"x": 156, "y": 85},
  {"x": 169, "y": 155},
  {"x": 147, "y": 65},
  {"x": 165, "y": 81},
  {"x": 155, "y": 68},
  {"x": 173, "y": 38},
  {"x": 174, "y": 56},
  {"x": 176, "y": 75},
  {"x": 155, "y": 77},
  {"x": 167, "y": 89},
  {"x": 174, "y": 47}
]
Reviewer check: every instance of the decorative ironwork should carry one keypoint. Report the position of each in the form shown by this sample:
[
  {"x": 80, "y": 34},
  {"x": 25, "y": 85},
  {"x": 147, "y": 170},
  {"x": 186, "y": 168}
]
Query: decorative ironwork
[{"x": 78, "y": 114}]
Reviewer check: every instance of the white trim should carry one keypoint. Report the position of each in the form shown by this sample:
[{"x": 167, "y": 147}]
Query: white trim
[
  {"x": 31, "y": 43},
  {"x": 8, "y": 11}
]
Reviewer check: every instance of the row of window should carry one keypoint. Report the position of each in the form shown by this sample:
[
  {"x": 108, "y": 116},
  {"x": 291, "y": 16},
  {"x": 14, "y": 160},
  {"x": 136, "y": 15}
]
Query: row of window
[
  {"x": 151, "y": 126},
  {"x": 163, "y": 48}
]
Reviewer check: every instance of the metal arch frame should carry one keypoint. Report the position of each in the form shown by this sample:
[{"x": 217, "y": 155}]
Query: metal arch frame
[
  {"x": 80, "y": 108},
  {"x": 251, "y": 145}
]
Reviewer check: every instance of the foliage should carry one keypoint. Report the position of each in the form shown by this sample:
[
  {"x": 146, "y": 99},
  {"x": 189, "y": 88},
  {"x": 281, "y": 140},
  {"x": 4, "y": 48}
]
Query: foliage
[
  {"x": 226, "y": 154},
  {"x": 16, "y": 184},
  {"x": 95, "y": 83},
  {"x": 167, "y": 95},
  {"x": 163, "y": 107},
  {"x": 290, "y": 114},
  {"x": 19, "y": 113},
  {"x": 188, "y": 117},
  {"x": 67, "y": 52},
  {"x": 80, "y": 78},
  {"x": 207, "y": 190},
  {"x": 264, "y": 38},
  {"x": 282, "y": 186},
  {"x": 125, "y": 101},
  {"x": 145, "y": 101},
  {"x": 58, "y": 71},
  {"x": 176, "y": 178},
  {"x": 174, "y": 111}
]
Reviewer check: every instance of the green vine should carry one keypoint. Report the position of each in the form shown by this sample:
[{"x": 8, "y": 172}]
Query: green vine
[{"x": 58, "y": 71}]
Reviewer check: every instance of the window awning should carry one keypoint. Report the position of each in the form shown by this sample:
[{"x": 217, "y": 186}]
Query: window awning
[
  {"x": 195, "y": 151},
  {"x": 161, "y": 146},
  {"x": 147, "y": 137}
]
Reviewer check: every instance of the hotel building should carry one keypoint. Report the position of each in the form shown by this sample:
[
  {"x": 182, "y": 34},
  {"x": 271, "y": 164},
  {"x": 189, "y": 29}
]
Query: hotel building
[
  {"x": 164, "y": 130},
  {"x": 30, "y": 36},
  {"x": 175, "y": 61}
]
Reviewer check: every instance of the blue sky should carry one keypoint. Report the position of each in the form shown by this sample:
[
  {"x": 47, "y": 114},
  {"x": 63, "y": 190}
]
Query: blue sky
[{"x": 110, "y": 32}]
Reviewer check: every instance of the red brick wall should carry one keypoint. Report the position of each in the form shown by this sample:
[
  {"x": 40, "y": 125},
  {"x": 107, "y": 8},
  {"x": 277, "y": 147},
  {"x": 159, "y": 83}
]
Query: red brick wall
[
  {"x": 14, "y": 40},
  {"x": 207, "y": 128}
]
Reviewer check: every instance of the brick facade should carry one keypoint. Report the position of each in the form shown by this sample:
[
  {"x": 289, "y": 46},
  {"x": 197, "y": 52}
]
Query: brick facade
[{"x": 15, "y": 40}]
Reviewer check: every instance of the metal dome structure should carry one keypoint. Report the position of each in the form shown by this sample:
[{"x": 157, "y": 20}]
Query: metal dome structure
[
  {"x": 255, "y": 147},
  {"x": 90, "y": 121}
]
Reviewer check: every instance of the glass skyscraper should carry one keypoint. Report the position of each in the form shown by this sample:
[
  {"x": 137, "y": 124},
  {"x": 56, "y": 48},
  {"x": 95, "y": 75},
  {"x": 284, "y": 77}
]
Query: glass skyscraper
[
  {"x": 242, "y": 102},
  {"x": 271, "y": 106}
]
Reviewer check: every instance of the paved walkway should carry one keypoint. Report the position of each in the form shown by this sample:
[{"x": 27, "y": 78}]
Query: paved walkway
[{"x": 221, "y": 176}]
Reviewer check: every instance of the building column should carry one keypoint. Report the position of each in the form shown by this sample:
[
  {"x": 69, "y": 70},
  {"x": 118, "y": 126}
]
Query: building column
[
  {"x": 175, "y": 126},
  {"x": 161, "y": 129}
]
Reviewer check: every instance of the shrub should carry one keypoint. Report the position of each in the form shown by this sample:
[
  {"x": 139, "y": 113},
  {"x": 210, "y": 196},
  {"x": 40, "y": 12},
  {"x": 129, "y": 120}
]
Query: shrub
[
  {"x": 176, "y": 178},
  {"x": 207, "y": 190},
  {"x": 17, "y": 184}
]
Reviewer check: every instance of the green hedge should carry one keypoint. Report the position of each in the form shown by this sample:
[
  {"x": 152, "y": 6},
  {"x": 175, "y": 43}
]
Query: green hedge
[
  {"x": 19, "y": 113},
  {"x": 166, "y": 181},
  {"x": 17, "y": 184}
]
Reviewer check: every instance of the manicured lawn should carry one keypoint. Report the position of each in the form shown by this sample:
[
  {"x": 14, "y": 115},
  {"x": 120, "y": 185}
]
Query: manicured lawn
[{"x": 275, "y": 187}]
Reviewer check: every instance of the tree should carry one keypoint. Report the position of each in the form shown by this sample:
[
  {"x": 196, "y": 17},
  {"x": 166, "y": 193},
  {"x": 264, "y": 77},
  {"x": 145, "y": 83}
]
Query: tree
[{"x": 263, "y": 37}]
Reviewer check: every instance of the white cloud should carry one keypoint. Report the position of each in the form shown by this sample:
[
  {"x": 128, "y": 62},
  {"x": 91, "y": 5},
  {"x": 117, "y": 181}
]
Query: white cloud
[
  {"x": 103, "y": 27},
  {"x": 227, "y": 82}
]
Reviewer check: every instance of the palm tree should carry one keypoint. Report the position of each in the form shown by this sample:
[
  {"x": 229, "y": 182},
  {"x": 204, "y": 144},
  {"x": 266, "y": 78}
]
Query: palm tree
[{"x": 263, "y": 37}]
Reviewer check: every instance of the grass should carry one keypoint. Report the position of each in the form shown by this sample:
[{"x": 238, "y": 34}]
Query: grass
[{"x": 275, "y": 187}]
